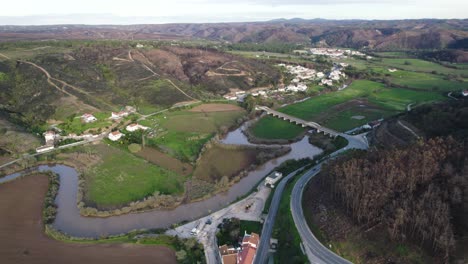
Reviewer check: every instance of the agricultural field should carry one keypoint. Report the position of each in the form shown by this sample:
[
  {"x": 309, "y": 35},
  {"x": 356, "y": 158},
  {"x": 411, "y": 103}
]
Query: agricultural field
[
  {"x": 23, "y": 239},
  {"x": 419, "y": 65},
  {"x": 336, "y": 110},
  {"x": 182, "y": 134},
  {"x": 120, "y": 178},
  {"x": 426, "y": 81}
]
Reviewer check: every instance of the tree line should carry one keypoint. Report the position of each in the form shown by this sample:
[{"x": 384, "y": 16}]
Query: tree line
[{"x": 418, "y": 193}]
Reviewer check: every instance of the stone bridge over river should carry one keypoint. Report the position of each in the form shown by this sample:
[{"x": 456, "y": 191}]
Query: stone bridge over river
[{"x": 298, "y": 121}]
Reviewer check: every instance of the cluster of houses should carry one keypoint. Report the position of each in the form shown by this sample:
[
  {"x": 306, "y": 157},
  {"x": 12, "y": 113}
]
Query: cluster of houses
[
  {"x": 89, "y": 118},
  {"x": 298, "y": 83},
  {"x": 337, "y": 53},
  {"x": 245, "y": 254},
  {"x": 303, "y": 74},
  {"x": 117, "y": 135}
]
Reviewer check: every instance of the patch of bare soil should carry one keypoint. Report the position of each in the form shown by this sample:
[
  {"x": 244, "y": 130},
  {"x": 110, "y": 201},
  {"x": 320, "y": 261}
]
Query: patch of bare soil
[
  {"x": 22, "y": 239},
  {"x": 216, "y": 108}
]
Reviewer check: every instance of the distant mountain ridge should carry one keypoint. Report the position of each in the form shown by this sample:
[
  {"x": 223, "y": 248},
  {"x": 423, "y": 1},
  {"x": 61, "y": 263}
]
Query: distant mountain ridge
[{"x": 372, "y": 34}]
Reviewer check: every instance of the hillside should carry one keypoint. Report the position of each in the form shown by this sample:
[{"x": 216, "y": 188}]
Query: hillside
[
  {"x": 400, "y": 197},
  {"x": 377, "y": 35},
  {"x": 108, "y": 76}
]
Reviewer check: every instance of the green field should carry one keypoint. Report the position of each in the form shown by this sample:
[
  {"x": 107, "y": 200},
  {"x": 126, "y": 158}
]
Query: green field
[
  {"x": 425, "y": 81},
  {"x": 346, "y": 119},
  {"x": 121, "y": 178},
  {"x": 183, "y": 133},
  {"x": 325, "y": 108},
  {"x": 75, "y": 125},
  {"x": 419, "y": 66},
  {"x": 270, "y": 127}
]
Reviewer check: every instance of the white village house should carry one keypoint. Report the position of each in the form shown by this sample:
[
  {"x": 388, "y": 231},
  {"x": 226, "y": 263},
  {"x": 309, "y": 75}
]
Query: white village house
[
  {"x": 273, "y": 178},
  {"x": 114, "y": 136},
  {"x": 134, "y": 127},
  {"x": 465, "y": 93},
  {"x": 49, "y": 137},
  {"x": 118, "y": 115},
  {"x": 88, "y": 118}
]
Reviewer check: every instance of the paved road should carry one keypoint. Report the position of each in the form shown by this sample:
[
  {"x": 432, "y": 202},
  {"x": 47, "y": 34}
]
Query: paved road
[
  {"x": 316, "y": 252},
  {"x": 264, "y": 245},
  {"x": 314, "y": 249}
]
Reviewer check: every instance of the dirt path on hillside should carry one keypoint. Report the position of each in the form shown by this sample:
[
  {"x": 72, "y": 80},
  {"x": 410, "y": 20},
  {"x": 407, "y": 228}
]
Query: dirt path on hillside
[
  {"x": 50, "y": 80},
  {"x": 22, "y": 238},
  {"x": 4, "y": 56}
]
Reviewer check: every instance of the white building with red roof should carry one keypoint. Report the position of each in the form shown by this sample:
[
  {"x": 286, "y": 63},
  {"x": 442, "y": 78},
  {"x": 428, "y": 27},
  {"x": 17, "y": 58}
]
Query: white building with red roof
[
  {"x": 465, "y": 93},
  {"x": 88, "y": 118}
]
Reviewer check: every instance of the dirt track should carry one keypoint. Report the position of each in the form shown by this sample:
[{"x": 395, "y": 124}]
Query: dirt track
[
  {"x": 216, "y": 108},
  {"x": 22, "y": 239}
]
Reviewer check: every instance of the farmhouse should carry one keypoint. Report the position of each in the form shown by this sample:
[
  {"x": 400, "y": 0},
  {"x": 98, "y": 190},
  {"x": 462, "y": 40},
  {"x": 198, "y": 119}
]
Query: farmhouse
[
  {"x": 114, "y": 136},
  {"x": 88, "y": 118},
  {"x": 50, "y": 137},
  {"x": 118, "y": 115},
  {"x": 273, "y": 178},
  {"x": 134, "y": 127}
]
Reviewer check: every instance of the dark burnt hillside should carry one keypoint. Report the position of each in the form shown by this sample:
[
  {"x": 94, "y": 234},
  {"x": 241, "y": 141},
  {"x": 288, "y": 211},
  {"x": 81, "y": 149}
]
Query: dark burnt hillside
[{"x": 418, "y": 191}]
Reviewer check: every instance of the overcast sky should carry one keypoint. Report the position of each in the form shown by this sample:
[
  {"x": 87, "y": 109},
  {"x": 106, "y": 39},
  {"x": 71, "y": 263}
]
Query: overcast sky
[{"x": 30, "y": 12}]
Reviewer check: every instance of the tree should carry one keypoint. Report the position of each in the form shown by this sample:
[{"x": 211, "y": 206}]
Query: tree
[{"x": 181, "y": 255}]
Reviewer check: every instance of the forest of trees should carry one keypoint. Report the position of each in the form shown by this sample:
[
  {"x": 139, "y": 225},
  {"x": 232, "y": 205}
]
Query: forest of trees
[{"x": 418, "y": 193}]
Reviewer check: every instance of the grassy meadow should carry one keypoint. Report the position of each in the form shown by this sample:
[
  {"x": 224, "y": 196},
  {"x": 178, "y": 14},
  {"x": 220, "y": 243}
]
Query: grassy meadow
[
  {"x": 337, "y": 109},
  {"x": 182, "y": 134},
  {"x": 120, "y": 178},
  {"x": 75, "y": 124},
  {"x": 270, "y": 127}
]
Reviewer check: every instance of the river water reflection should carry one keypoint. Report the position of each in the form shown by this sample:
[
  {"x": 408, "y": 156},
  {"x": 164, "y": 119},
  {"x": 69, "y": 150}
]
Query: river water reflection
[{"x": 70, "y": 221}]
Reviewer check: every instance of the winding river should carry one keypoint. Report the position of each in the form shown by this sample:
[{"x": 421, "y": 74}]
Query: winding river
[{"x": 69, "y": 220}]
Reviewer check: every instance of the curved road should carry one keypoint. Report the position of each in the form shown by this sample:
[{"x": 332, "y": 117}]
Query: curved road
[{"x": 315, "y": 251}]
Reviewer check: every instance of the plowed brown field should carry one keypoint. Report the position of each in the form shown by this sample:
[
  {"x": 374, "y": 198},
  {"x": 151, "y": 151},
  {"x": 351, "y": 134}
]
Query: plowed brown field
[{"x": 22, "y": 239}]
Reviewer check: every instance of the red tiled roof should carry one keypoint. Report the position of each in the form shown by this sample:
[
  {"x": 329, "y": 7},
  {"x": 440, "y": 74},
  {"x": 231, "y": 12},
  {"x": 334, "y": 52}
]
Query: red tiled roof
[
  {"x": 230, "y": 259},
  {"x": 115, "y": 133},
  {"x": 247, "y": 255}
]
